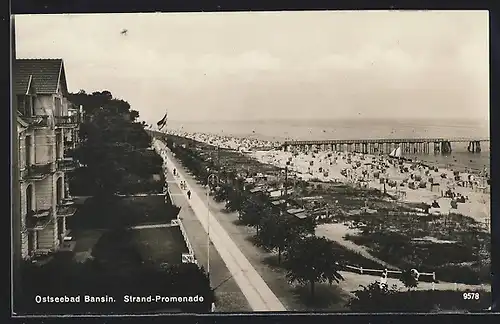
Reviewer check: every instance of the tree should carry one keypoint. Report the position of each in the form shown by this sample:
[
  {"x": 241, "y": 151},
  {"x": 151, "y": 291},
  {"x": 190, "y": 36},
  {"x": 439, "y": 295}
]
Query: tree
[
  {"x": 306, "y": 226},
  {"x": 134, "y": 115},
  {"x": 375, "y": 297},
  {"x": 235, "y": 200},
  {"x": 113, "y": 148},
  {"x": 277, "y": 232},
  {"x": 222, "y": 192},
  {"x": 252, "y": 213},
  {"x": 409, "y": 278},
  {"x": 311, "y": 260}
]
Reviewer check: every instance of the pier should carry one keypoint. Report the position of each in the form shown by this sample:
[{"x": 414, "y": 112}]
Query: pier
[{"x": 385, "y": 146}]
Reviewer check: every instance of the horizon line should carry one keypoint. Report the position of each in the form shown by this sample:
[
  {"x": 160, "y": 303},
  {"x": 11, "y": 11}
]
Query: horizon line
[{"x": 331, "y": 119}]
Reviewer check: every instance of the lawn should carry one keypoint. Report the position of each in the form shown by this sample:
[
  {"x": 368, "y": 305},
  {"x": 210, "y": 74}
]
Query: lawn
[
  {"x": 129, "y": 249},
  {"x": 82, "y": 183},
  {"x": 114, "y": 258},
  {"x": 102, "y": 228},
  {"x": 457, "y": 252},
  {"x": 120, "y": 262},
  {"x": 122, "y": 212},
  {"x": 159, "y": 245}
]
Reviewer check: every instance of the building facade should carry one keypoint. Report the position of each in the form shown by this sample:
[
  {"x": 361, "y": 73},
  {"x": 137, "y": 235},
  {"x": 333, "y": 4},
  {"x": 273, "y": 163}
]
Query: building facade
[{"x": 47, "y": 130}]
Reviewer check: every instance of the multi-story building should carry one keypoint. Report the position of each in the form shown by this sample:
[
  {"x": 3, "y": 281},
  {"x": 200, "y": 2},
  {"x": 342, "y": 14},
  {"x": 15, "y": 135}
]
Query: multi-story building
[{"x": 46, "y": 123}]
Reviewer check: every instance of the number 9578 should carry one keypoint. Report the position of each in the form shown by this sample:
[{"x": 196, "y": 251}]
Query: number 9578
[{"x": 470, "y": 296}]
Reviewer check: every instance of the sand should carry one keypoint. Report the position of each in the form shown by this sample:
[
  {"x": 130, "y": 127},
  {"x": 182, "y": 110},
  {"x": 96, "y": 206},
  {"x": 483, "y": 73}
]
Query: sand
[
  {"x": 360, "y": 170},
  {"x": 337, "y": 233},
  {"x": 476, "y": 206}
]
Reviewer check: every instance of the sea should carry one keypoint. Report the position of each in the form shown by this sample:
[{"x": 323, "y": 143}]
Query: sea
[{"x": 318, "y": 129}]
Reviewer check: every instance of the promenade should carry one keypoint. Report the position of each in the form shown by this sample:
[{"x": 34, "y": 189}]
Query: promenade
[
  {"x": 258, "y": 294},
  {"x": 228, "y": 294}
]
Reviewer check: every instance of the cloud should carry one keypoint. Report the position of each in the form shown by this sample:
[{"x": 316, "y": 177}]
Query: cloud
[
  {"x": 282, "y": 64},
  {"x": 370, "y": 57},
  {"x": 216, "y": 65}
]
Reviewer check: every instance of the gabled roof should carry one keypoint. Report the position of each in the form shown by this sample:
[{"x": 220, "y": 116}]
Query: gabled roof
[
  {"x": 47, "y": 75},
  {"x": 21, "y": 83}
]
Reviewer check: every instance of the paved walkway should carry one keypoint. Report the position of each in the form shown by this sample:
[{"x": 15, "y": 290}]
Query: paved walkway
[
  {"x": 151, "y": 226},
  {"x": 229, "y": 296},
  {"x": 140, "y": 195},
  {"x": 259, "y": 295}
]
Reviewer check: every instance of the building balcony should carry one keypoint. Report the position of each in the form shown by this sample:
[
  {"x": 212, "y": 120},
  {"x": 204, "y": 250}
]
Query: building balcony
[
  {"x": 66, "y": 164},
  {"x": 37, "y": 171},
  {"x": 40, "y": 121},
  {"x": 68, "y": 201},
  {"x": 69, "y": 144},
  {"x": 67, "y": 121},
  {"x": 68, "y": 151},
  {"x": 38, "y": 220},
  {"x": 66, "y": 209}
]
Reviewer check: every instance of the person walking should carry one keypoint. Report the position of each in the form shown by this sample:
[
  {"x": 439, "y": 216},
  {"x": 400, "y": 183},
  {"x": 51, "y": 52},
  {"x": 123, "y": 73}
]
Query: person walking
[
  {"x": 175, "y": 171},
  {"x": 189, "y": 194}
]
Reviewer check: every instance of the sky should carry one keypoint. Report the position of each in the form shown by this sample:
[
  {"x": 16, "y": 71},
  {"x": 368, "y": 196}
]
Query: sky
[{"x": 274, "y": 65}]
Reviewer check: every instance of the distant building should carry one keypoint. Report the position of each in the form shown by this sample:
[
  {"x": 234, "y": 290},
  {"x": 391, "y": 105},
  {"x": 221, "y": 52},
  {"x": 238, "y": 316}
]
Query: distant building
[{"x": 46, "y": 122}]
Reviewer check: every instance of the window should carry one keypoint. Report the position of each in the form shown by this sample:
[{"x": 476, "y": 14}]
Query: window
[
  {"x": 32, "y": 105},
  {"x": 26, "y": 105},
  {"x": 58, "y": 106},
  {"x": 28, "y": 108},
  {"x": 21, "y": 104},
  {"x": 27, "y": 150},
  {"x": 59, "y": 152},
  {"x": 64, "y": 110}
]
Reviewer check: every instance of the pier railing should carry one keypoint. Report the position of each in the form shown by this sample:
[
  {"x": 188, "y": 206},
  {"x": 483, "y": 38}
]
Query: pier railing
[{"x": 386, "y": 140}]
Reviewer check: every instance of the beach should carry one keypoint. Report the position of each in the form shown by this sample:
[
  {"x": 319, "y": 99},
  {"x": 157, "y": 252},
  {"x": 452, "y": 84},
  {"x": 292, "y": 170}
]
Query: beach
[
  {"x": 323, "y": 129},
  {"x": 444, "y": 190},
  {"x": 369, "y": 171}
]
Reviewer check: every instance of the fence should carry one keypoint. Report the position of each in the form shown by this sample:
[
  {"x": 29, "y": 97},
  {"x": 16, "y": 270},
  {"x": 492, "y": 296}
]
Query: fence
[
  {"x": 385, "y": 272},
  {"x": 178, "y": 221}
]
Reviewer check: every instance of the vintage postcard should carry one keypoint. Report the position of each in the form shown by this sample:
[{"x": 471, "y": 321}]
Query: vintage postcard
[{"x": 312, "y": 161}]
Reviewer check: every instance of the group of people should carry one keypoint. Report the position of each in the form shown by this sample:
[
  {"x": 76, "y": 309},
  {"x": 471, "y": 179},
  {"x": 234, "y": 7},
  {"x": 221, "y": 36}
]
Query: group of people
[
  {"x": 162, "y": 150},
  {"x": 183, "y": 183}
]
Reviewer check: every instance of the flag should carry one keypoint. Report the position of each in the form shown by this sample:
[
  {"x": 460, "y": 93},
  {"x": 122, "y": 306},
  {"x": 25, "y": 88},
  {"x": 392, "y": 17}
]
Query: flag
[{"x": 162, "y": 122}]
